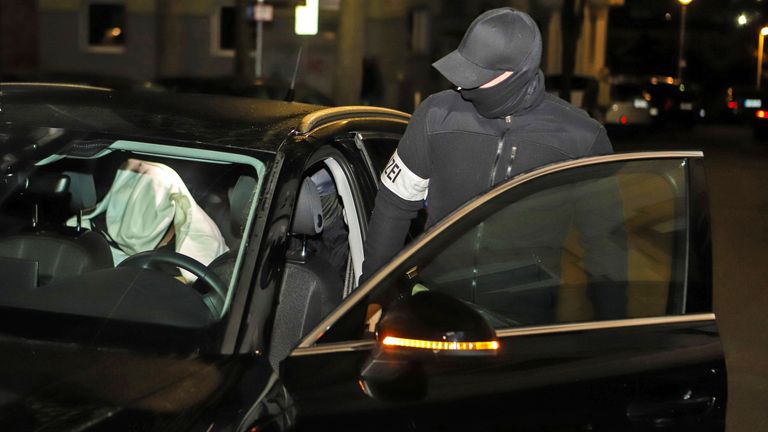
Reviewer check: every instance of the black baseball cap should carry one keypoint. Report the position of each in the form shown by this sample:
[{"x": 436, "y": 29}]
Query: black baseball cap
[{"x": 497, "y": 41}]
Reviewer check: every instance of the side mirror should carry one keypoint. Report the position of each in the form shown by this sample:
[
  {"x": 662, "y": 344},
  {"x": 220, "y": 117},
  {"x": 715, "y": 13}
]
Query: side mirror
[
  {"x": 426, "y": 327},
  {"x": 437, "y": 323}
]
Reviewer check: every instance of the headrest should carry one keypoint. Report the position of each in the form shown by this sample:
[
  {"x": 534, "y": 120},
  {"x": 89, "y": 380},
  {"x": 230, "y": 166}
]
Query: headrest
[
  {"x": 239, "y": 197},
  {"x": 82, "y": 189},
  {"x": 308, "y": 214},
  {"x": 48, "y": 185},
  {"x": 324, "y": 182}
]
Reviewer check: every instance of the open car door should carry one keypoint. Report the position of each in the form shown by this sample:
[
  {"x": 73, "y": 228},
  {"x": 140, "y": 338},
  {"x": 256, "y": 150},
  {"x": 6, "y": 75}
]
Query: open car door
[{"x": 574, "y": 297}]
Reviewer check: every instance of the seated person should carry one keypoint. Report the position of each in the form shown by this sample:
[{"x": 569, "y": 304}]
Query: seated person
[
  {"x": 148, "y": 207},
  {"x": 334, "y": 243}
]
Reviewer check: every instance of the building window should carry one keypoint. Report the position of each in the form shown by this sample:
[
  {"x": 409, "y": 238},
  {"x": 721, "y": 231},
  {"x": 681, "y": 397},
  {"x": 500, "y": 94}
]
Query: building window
[
  {"x": 106, "y": 26},
  {"x": 227, "y": 28},
  {"x": 223, "y": 28}
]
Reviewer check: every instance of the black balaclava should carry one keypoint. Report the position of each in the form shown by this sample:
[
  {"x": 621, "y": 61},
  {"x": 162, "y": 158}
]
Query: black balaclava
[
  {"x": 513, "y": 96},
  {"x": 520, "y": 92}
]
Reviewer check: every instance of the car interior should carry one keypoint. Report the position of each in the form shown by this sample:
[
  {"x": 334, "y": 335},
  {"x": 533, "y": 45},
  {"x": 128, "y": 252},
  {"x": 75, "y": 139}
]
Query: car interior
[
  {"x": 59, "y": 253},
  {"x": 49, "y": 246},
  {"x": 325, "y": 248}
]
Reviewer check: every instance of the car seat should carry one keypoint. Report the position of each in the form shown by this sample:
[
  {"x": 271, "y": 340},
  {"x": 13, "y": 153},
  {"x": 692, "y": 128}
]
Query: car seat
[
  {"x": 57, "y": 254},
  {"x": 229, "y": 209},
  {"x": 310, "y": 288}
]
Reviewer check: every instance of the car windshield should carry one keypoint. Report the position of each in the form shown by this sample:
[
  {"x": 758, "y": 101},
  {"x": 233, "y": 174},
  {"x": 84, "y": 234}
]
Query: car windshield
[{"x": 125, "y": 232}]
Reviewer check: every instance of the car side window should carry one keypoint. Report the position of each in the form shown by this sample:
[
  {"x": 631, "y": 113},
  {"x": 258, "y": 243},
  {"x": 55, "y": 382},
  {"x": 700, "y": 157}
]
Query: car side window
[
  {"x": 380, "y": 149},
  {"x": 597, "y": 242}
]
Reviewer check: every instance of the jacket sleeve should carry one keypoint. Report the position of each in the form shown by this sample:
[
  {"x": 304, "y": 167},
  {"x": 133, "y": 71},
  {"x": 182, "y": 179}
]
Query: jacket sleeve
[{"x": 404, "y": 186}]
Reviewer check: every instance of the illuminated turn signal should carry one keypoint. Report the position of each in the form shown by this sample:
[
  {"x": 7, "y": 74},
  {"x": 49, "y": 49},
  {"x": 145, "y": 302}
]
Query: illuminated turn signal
[
  {"x": 440, "y": 345},
  {"x": 760, "y": 114}
]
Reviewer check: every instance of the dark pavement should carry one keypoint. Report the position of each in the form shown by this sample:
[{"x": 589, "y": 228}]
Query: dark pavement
[{"x": 737, "y": 174}]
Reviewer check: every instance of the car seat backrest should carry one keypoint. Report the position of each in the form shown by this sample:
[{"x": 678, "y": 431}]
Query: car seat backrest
[
  {"x": 57, "y": 255},
  {"x": 229, "y": 209},
  {"x": 310, "y": 288}
]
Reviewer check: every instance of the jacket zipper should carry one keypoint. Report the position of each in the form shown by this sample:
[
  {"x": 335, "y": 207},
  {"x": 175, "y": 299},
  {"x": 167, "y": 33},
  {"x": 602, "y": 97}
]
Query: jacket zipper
[
  {"x": 512, "y": 155},
  {"x": 499, "y": 148}
]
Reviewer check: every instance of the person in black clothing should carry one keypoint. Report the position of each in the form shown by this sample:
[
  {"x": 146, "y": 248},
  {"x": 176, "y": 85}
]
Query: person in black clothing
[{"x": 497, "y": 123}]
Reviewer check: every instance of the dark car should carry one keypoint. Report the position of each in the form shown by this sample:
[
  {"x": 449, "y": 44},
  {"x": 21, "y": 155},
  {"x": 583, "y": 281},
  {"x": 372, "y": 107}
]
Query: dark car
[
  {"x": 104, "y": 81},
  {"x": 184, "y": 262},
  {"x": 675, "y": 103},
  {"x": 258, "y": 88},
  {"x": 750, "y": 106}
]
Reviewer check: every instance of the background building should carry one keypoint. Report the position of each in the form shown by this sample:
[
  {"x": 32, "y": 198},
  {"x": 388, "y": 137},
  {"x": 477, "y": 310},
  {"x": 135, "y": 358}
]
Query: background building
[{"x": 365, "y": 51}]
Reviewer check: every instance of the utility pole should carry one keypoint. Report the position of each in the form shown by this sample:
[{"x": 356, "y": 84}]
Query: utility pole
[
  {"x": 243, "y": 69},
  {"x": 572, "y": 14},
  {"x": 350, "y": 48},
  {"x": 681, "y": 62},
  {"x": 259, "y": 43},
  {"x": 169, "y": 39}
]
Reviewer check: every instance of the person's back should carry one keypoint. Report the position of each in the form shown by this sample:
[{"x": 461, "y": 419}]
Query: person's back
[
  {"x": 464, "y": 146},
  {"x": 498, "y": 123}
]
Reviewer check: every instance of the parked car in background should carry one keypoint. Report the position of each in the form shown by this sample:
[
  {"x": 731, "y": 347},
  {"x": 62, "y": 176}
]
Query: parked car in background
[
  {"x": 675, "y": 103},
  {"x": 629, "y": 104},
  {"x": 257, "y": 88},
  {"x": 577, "y": 296},
  {"x": 760, "y": 123},
  {"x": 750, "y": 106}
]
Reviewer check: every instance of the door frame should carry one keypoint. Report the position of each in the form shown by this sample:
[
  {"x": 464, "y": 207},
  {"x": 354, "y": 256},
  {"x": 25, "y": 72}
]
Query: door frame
[{"x": 308, "y": 345}]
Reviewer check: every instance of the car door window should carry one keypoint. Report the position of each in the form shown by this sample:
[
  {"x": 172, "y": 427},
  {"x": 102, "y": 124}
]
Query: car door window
[
  {"x": 379, "y": 149},
  {"x": 597, "y": 242}
]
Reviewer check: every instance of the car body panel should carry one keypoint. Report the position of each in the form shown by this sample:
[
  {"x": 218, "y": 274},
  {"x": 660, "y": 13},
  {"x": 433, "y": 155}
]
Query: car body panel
[{"x": 637, "y": 378}]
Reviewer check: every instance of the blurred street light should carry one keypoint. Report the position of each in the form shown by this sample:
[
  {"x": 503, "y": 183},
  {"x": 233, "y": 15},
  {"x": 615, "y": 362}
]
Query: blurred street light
[
  {"x": 681, "y": 54},
  {"x": 307, "y": 18},
  {"x": 742, "y": 20},
  {"x": 760, "y": 41}
]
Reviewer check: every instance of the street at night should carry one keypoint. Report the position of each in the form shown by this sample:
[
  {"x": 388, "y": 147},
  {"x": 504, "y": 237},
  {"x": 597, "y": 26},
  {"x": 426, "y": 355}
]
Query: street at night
[{"x": 383, "y": 215}]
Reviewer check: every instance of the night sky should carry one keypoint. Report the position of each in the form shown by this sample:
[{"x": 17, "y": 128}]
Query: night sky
[{"x": 644, "y": 38}]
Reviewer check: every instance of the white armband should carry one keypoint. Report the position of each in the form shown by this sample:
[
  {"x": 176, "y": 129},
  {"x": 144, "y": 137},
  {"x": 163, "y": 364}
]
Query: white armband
[{"x": 403, "y": 182}]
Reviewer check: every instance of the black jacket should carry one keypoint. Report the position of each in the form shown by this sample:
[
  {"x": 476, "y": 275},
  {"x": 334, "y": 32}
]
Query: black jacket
[{"x": 450, "y": 154}]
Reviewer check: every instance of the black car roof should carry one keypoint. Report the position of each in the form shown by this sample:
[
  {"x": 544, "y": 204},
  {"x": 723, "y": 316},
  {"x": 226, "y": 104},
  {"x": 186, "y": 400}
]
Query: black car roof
[{"x": 156, "y": 117}]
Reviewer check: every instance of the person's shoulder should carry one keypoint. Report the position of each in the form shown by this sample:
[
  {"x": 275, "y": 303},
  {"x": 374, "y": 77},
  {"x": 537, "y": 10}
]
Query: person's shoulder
[
  {"x": 554, "y": 103},
  {"x": 575, "y": 130},
  {"x": 444, "y": 100},
  {"x": 447, "y": 110},
  {"x": 568, "y": 114}
]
